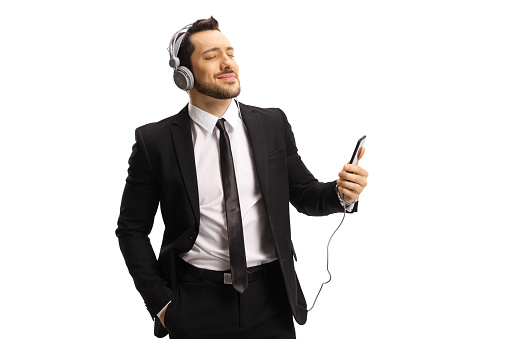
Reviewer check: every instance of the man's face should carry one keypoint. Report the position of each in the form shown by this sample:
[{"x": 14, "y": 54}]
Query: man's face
[{"x": 215, "y": 70}]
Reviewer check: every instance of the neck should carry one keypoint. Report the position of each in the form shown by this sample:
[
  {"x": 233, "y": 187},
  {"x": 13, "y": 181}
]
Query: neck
[{"x": 216, "y": 107}]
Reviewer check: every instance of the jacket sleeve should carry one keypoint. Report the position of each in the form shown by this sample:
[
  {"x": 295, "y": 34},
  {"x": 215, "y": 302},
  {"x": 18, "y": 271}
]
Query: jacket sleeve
[
  {"x": 307, "y": 194},
  {"x": 138, "y": 208}
]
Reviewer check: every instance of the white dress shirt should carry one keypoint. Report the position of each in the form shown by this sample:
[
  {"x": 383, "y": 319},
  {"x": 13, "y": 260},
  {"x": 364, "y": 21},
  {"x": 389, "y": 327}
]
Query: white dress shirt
[{"x": 210, "y": 251}]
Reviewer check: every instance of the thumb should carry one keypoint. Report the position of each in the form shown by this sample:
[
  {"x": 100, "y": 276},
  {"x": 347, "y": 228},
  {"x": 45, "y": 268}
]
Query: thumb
[{"x": 360, "y": 154}]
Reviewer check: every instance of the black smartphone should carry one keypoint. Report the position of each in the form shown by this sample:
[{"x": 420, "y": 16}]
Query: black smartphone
[{"x": 355, "y": 155}]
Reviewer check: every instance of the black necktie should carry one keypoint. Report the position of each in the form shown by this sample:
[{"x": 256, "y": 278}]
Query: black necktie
[{"x": 233, "y": 217}]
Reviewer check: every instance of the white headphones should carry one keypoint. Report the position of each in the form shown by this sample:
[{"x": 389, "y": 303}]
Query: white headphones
[{"x": 182, "y": 75}]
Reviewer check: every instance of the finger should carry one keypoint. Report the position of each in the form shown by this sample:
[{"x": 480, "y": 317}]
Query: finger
[
  {"x": 351, "y": 186},
  {"x": 355, "y": 178},
  {"x": 345, "y": 166},
  {"x": 347, "y": 194},
  {"x": 360, "y": 154},
  {"x": 349, "y": 176},
  {"x": 356, "y": 170}
]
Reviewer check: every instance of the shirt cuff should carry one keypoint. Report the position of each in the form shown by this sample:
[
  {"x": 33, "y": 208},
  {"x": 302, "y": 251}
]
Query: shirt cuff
[
  {"x": 161, "y": 311},
  {"x": 348, "y": 206}
]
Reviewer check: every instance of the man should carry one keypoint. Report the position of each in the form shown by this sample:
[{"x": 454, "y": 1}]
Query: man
[{"x": 223, "y": 174}]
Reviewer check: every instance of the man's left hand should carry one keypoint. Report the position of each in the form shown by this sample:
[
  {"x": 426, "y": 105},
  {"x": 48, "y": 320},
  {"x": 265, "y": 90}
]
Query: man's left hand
[{"x": 351, "y": 185}]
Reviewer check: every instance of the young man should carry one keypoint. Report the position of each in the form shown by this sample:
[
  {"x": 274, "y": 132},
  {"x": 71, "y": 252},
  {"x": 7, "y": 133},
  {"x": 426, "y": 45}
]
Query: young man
[{"x": 223, "y": 174}]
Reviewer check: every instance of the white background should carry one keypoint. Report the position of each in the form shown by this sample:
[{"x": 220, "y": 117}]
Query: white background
[{"x": 427, "y": 82}]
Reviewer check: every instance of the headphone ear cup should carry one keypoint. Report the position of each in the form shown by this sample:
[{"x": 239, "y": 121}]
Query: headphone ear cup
[{"x": 183, "y": 78}]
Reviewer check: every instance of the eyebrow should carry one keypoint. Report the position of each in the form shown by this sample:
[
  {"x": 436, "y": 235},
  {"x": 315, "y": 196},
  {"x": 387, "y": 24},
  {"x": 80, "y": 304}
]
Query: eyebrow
[{"x": 217, "y": 49}]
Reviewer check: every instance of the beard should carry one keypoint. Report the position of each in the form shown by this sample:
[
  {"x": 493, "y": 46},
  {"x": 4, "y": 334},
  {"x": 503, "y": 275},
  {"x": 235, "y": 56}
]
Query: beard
[{"x": 217, "y": 92}]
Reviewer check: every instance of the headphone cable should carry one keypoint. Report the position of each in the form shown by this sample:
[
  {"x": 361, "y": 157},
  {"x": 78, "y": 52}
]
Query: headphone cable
[{"x": 330, "y": 275}]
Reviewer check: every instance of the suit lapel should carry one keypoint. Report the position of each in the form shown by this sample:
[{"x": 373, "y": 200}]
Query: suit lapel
[
  {"x": 255, "y": 131},
  {"x": 183, "y": 141}
]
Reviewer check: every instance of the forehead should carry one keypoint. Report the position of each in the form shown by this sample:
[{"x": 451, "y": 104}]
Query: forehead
[{"x": 205, "y": 40}]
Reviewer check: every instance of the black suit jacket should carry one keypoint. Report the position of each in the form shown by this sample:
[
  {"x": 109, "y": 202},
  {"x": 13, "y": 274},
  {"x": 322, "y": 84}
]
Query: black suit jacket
[{"x": 162, "y": 172}]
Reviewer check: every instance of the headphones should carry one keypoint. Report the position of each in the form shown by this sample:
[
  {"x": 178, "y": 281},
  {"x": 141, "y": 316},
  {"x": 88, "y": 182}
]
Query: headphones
[{"x": 182, "y": 75}]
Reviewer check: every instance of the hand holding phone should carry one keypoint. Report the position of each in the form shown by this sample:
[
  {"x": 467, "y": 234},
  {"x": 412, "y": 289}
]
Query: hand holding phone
[{"x": 352, "y": 179}]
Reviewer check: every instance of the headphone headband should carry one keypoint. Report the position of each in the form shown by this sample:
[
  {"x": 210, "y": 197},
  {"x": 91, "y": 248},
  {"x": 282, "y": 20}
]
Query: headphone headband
[{"x": 175, "y": 43}]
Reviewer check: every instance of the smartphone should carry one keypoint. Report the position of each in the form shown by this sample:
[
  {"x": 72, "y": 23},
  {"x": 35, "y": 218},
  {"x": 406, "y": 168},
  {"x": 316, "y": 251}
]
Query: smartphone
[{"x": 355, "y": 155}]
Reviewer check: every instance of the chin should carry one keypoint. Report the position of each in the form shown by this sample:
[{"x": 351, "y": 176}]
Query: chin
[{"x": 217, "y": 91}]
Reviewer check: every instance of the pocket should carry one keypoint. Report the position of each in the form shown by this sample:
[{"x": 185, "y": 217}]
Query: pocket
[{"x": 171, "y": 305}]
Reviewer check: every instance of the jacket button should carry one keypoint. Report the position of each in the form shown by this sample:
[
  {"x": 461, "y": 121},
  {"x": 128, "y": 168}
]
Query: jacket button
[{"x": 192, "y": 235}]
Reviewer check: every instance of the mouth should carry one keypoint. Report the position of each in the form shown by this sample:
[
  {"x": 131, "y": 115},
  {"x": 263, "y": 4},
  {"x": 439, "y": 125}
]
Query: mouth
[{"x": 227, "y": 77}]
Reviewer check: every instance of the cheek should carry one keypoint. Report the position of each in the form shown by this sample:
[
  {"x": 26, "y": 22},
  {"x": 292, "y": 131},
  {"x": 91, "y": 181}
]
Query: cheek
[
  {"x": 199, "y": 74},
  {"x": 235, "y": 66},
  {"x": 204, "y": 74}
]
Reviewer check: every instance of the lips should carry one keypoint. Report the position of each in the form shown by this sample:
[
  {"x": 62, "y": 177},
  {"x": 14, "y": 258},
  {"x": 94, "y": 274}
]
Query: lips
[{"x": 228, "y": 77}]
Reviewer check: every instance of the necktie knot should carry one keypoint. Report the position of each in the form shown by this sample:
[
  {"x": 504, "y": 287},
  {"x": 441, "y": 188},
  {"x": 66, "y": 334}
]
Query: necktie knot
[{"x": 220, "y": 125}]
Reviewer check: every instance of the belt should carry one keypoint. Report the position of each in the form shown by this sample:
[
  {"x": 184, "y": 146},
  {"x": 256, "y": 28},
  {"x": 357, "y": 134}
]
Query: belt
[{"x": 253, "y": 273}]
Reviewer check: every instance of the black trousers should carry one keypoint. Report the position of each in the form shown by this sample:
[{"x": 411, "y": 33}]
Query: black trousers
[{"x": 206, "y": 309}]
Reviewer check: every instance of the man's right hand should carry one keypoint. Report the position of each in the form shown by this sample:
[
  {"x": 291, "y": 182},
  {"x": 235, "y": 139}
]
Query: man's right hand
[{"x": 162, "y": 316}]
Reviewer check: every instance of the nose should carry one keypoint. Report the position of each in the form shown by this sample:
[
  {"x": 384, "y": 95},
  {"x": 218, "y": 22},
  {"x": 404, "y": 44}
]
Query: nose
[{"x": 226, "y": 62}]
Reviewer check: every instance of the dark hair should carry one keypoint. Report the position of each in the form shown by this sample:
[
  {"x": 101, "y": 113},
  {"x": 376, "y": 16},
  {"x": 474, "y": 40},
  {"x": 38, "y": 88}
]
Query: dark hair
[{"x": 187, "y": 47}]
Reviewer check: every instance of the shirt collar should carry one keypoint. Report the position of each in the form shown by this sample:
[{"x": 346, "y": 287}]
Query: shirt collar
[{"x": 208, "y": 121}]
